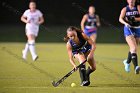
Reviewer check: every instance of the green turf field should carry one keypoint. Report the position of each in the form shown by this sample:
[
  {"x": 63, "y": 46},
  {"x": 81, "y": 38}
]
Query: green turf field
[{"x": 18, "y": 76}]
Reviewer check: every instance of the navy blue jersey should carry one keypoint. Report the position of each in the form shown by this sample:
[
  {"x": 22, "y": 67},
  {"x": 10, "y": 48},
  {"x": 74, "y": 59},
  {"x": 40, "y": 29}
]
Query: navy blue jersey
[
  {"x": 91, "y": 21},
  {"x": 131, "y": 14},
  {"x": 83, "y": 46}
]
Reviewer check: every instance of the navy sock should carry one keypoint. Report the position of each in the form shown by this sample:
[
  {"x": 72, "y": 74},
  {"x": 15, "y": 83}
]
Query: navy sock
[
  {"x": 88, "y": 72},
  {"x": 82, "y": 71},
  {"x": 129, "y": 57},
  {"x": 134, "y": 59}
]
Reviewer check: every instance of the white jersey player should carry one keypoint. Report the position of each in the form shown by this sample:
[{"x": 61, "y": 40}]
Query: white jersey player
[{"x": 33, "y": 18}]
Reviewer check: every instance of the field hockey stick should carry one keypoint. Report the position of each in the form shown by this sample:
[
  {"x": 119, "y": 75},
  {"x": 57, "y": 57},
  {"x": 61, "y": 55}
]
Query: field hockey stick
[
  {"x": 129, "y": 28},
  {"x": 55, "y": 84},
  {"x": 130, "y": 31}
]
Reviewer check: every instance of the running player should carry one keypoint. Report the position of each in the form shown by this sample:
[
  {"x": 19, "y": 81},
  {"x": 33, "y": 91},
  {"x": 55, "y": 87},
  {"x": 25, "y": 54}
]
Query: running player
[
  {"x": 33, "y": 18},
  {"x": 89, "y": 23},
  {"x": 130, "y": 17},
  {"x": 81, "y": 47}
]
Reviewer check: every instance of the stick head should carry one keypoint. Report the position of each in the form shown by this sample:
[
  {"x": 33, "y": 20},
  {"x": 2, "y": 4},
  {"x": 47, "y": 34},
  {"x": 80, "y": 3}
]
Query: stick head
[{"x": 54, "y": 84}]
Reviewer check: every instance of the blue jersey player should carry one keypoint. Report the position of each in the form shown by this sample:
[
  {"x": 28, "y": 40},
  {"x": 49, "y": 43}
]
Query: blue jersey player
[
  {"x": 89, "y": 23},
  {"x": 130, "y": 17},
  {"x": 81, "y": 47}
]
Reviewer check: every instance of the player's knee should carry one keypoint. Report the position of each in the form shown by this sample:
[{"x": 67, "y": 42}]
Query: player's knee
[
  {"x": 93, "y": 68},
  {"x": 133, "y": 50},
  {"x": 90, "y": 60}
]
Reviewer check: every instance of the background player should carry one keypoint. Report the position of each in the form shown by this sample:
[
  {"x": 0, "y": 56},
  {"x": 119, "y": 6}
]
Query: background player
[
  {"x": 81, "y": 47},
  {"x": 130, "y": 17},
  {"x": 33, "y": 18},
  {"x": 89, "y": 23}
]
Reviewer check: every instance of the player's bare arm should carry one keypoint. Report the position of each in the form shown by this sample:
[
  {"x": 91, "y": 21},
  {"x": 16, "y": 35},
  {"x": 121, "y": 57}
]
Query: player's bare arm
[
  {"x": 83, "y": 22},
  {"x": 70, "y": 55},
  {"x": 41, "y": 20},
  {"x": 122, "y": 15},
  {"x": 24, "y": 19},
  {"x": 138, "y": 18},
  {"x": 98, "y": 21},
  {"x": 91, "y": 43}
]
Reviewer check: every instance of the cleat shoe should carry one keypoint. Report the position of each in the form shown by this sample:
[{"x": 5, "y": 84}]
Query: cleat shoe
[
  {"x": 85, "y": 83},
  {"x": 35, "y": 58},
  {"x": 127, "y": 66},
  {"x": 137, "y": 69},
  {"x": 88, "y": 83}
]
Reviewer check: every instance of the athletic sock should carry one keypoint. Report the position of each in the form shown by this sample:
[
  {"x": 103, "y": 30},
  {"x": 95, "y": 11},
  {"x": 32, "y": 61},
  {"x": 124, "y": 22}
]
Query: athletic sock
[
  {"x": 88, "y": 72},
  {"x": 25, "y": 51},
  {"x": 134, "y": 59},
  {"x": 32, "y": 48},
  {"x": 129, "y": 57},
  {"x": 82, "y": 71}
]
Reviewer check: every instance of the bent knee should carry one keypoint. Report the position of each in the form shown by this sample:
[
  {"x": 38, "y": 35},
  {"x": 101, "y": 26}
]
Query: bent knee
[
  {"x": 133, "y": 50},
  {"x": 94, "y": 68}
]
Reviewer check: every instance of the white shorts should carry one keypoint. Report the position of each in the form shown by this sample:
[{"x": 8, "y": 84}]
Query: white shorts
[{"x": 32, "y": 30}]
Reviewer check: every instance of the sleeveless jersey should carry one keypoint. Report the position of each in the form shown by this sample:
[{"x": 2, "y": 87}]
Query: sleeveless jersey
[
  {"x": 83, "y": 45},
  {"x": 91, "y": 21},
  {"x": 132, "y": 13}
]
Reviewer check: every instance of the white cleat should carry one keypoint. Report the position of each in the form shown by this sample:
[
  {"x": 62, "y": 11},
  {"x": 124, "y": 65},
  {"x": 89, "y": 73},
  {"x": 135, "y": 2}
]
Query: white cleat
[
  {"x": 127, "y": 66},
  {"x": 35, "y": 58},
  {"x": 137, "y": 69},
  {"x": 23, "y": 55}
]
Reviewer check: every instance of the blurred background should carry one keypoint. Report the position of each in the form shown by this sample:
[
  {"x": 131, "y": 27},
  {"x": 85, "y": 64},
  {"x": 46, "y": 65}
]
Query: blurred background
[{"x": 59, "y": 14}]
